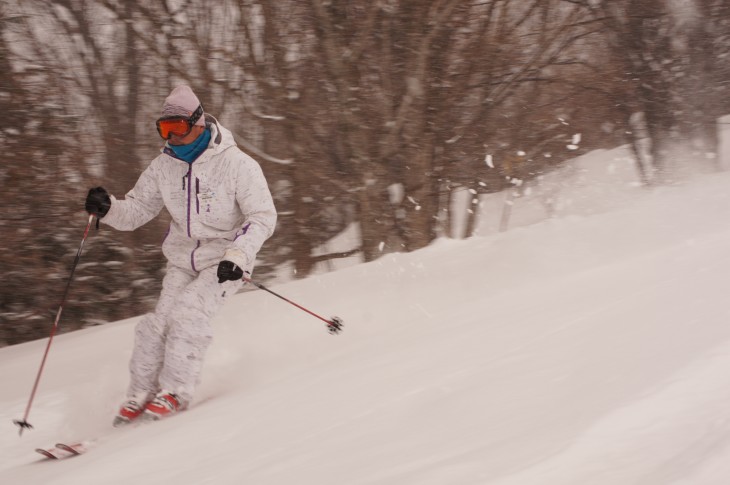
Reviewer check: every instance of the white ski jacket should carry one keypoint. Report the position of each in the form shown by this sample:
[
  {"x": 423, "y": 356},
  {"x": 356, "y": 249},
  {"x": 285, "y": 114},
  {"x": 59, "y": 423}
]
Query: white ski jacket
[{"x": 220, "y": 204}]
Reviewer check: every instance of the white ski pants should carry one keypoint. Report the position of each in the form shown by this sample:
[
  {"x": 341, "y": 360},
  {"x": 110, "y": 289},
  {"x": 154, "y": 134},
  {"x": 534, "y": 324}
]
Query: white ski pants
[{"x": 171, "y": 342}]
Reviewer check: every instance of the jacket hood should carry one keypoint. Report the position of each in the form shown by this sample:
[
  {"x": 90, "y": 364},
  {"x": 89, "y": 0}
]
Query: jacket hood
[{"x": 221, "y": 139}]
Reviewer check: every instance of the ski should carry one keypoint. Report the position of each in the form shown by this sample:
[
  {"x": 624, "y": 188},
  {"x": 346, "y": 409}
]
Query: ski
[
  {"x": 51, "y": 453},
  {"x": 64, "y": 450}
]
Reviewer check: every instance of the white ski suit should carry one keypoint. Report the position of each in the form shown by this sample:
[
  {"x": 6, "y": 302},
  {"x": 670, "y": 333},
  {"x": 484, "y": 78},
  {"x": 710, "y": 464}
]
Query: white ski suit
[{"x": 220, "y": 205}]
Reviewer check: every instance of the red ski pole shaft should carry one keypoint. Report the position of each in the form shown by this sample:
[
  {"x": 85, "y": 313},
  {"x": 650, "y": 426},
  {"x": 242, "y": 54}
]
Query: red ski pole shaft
[
  {"x": 334, "y": 325},
  {"x": 23, "y": 423}
]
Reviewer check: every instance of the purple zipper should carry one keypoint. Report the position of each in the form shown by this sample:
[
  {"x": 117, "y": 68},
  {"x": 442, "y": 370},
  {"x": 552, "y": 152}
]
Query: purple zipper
[
  {"x": 192, "y": 253},
  {"x": 190, "y": 172}
]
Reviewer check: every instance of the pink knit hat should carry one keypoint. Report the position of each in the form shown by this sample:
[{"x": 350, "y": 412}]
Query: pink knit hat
[{"x": 182, "y": 101}]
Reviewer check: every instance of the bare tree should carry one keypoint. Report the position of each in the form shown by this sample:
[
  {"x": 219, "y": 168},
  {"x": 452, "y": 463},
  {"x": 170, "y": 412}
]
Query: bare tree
[{"x": 666, "y": 52}]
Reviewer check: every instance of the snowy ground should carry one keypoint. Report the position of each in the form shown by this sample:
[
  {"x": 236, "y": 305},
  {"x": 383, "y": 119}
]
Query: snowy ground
[{"x": 588, "y": 349}]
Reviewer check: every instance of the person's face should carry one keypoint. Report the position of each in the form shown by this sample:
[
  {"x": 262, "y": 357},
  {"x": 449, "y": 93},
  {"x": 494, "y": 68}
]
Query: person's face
[{"x": 187, "y": 139}]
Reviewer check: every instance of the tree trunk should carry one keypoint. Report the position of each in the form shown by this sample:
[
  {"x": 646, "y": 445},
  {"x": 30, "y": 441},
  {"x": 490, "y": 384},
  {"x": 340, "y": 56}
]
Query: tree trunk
[{"x": 422, "y": 197}]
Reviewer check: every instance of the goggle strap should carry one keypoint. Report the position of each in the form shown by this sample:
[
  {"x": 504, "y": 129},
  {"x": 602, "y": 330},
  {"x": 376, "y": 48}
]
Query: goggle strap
[{"x": 196, "y": 115}]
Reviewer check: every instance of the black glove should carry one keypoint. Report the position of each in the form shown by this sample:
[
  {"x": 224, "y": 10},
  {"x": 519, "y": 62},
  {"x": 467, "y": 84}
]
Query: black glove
[
  {"x": 228, "y": 271},
  {"x": 98, "y": 202}
]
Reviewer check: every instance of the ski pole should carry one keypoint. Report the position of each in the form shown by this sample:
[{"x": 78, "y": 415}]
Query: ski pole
[
  {"x": 23, "y": 423},
  {"x": 334, "y": 325}
]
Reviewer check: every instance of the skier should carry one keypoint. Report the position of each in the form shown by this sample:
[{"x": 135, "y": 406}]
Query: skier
[{"x": 222, "y": 212}]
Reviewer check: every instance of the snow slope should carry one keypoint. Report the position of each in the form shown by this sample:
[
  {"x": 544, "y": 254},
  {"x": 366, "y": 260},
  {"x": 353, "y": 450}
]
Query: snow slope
[{"x": 585, "y": 349}]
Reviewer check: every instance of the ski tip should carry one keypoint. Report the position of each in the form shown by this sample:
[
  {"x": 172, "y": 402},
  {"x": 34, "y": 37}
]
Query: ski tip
[
  {"x": 75, "y": 449},
  {"x": 47, "y": 453},
  {"x": 64, "y": 450}
]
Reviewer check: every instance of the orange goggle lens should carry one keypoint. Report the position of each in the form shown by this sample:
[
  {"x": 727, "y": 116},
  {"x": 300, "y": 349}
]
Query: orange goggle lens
[{"x": 173, "y": 126}]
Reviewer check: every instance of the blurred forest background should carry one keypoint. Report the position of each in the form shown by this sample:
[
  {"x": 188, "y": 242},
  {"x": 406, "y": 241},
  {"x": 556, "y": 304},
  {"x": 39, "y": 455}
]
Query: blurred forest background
[{"x": 361, "y": 112}]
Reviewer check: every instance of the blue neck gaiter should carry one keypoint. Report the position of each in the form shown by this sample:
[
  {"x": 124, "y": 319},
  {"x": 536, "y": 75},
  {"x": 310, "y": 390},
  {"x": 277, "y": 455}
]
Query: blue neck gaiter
[{"x": 192, "y": 150}]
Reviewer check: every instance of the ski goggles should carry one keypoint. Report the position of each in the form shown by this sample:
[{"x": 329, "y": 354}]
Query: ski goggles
[{"x": 178, "y": 125}]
